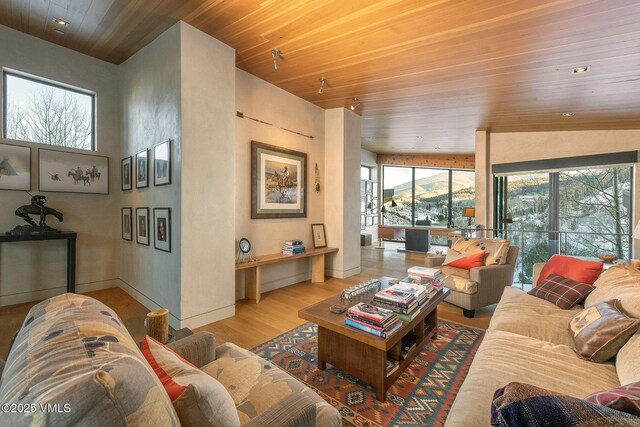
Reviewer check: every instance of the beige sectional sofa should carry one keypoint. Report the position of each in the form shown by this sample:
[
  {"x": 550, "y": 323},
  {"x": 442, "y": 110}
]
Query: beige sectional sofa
[{"x": 528, "y": 340}]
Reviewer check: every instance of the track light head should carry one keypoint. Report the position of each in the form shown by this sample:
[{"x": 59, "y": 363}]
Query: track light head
[
  {"x": 355, "y": 104},
  {"x": 323, "y": 81},
  {"x": 275, "y": 54}
]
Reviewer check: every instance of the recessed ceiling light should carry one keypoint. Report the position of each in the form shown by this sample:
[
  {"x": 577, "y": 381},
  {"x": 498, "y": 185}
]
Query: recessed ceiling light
[
  {"x": 370, "y": 138},
  {"x": 419, "y": 136},
  {"x": 61, "y": 22},
  {"x": 437, "y": 148},
  {"x": 580, "y": 70},
  {"x": 569, "y": 114}
]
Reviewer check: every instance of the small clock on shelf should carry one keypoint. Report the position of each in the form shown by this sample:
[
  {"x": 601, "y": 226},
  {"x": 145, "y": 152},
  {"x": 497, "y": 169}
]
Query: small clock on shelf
[{"x": 244, "y": 251}]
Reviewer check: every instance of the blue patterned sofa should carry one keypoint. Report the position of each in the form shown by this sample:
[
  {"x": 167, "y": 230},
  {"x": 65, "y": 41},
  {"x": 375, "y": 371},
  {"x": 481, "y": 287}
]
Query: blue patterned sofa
[{"x": 74, "y": 363}]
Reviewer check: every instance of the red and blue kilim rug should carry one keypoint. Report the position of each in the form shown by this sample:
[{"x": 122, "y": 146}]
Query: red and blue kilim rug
[{"x": 421, "y": 396}]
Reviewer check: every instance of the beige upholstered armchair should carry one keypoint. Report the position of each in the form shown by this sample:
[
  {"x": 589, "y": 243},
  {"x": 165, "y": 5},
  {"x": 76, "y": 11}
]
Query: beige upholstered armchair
[{"x": 479, "y": 286}]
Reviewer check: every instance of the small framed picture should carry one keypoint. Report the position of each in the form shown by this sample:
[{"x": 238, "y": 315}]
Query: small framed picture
[
  {"x": 15, "y": 167},
  {"x": 162, "y": 163},
  {"x": 319, "y": 236},
  {"x": 142, "y": 226},
  {"x": 125, "y": 173},
  {"x": 162, "y": 229},
  {"x": 142, "y": 169},
  {"x": 126, "y": 224}
]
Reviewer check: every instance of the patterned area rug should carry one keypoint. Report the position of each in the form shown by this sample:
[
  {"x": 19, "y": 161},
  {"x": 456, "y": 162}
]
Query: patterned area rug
[{"x": 421, "y": 396}]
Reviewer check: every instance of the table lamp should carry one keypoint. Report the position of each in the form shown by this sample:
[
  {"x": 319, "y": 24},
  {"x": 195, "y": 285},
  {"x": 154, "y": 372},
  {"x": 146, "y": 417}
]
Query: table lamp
[
  {"x": 636, "y": 235},
  {"x": 469, "y": 213}
]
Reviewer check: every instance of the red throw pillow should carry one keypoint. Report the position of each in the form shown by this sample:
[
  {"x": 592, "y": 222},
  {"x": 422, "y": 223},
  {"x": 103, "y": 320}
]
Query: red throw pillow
[
  {"x": 571, "y": 268},
  {"x": 468, "y": 262}
]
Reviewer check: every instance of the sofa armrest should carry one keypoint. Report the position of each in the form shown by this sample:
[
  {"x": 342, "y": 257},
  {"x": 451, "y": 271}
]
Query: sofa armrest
[
  {"x": 199, "y": 348},
  {"x": 537, "y": 269},
  {"x": 499, "y": 275},
  {"x": 433, "y": 260},
  {"x": 295, "y": 410}
]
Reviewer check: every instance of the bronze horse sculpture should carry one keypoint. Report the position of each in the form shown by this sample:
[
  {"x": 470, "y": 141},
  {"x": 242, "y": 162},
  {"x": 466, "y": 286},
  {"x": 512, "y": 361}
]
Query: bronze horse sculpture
[{"x": 37, "y": 207}]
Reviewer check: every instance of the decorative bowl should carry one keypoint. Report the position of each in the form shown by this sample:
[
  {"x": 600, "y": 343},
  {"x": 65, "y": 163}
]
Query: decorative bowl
[{"x": 609, "y": 258}]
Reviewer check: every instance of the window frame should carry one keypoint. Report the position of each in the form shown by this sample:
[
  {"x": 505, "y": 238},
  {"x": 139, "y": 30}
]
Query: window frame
[
  {"x": 369, "y": 168},
  {"x": 413, "y": 192},
  {"x": 54, "y": 84}
]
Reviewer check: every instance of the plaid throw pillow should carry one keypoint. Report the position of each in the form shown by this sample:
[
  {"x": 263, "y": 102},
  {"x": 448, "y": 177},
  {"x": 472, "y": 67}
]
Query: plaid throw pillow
[
  {"x": 519, "y": 405},
  {"x": 625, "y": 398},
  {"x": 563, "y": 292}
]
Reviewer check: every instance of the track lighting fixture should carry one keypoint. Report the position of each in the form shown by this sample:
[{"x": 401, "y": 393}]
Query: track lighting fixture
[
  {"x": 275, "y": 54},
  {"x": 323, "y": 81},
  {"x": 355, "y": 104}
]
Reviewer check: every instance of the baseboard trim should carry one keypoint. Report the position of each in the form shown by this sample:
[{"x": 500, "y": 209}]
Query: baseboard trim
[
  {"x": 285, "y": 281},
  {"x": 208, "y": 317},
  {"x": 43, "y": 294},
  {"x": 343, "y": 274},
  {"x": 174, "y": 322}
]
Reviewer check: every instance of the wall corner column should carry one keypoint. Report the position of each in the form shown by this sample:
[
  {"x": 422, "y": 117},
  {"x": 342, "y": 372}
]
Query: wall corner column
[{"x": 483, "y": 179}]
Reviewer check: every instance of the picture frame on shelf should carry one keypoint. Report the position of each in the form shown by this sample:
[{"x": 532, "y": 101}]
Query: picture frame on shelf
[
  {"x": 125, "y": 174},
  {"x": 67, "y": 172},
  {"x": 162, "y": 163},
  {"x": 278, "y": 182},
  {"x": 319, "y": 236},
  {"x": 142, "y": 226},
  {"x": 15, "y": 167},
  {"x": 127, "y": 224},
  {"x": 162, "y": 229},
  {"x": 142, "y": 169}
]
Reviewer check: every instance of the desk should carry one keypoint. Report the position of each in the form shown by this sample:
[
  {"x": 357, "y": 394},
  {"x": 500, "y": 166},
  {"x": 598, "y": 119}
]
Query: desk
[
  {"x": 69, "y": 236},
  {"x": 252, "y": 273}
]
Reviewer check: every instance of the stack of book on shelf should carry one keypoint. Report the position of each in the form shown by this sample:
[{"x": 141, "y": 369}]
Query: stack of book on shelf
[
  {"x": 293, "y": 247},
  {"x": 375, "y": 320},
  {"x": 402, "y": 298},
  {"x": 424, "y": 272},
  {"x": 392, "y": 366}
]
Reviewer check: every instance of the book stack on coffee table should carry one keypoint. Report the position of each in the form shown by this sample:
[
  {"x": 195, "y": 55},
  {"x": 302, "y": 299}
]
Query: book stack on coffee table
[{"x": 374, "y": 320}]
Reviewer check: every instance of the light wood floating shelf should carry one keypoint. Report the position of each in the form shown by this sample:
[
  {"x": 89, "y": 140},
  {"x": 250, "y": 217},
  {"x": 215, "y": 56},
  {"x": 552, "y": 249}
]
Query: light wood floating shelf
[{"x": 252, "y": 275}]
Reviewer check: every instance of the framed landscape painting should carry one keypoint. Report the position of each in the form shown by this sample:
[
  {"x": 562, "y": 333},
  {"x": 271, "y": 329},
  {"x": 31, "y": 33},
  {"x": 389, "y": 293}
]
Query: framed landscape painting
[
  {"x": 72, "y": 172},
  {"x": 15, "y": 167},
  {"x": 278, "y": 182},
  {"x": 162, "y": 163}
]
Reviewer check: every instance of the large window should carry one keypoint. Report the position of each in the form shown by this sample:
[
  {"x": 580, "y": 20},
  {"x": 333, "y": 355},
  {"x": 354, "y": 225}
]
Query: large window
[
  {"x": 38, "y": 110},
  {"x": 426, "y": 196}
]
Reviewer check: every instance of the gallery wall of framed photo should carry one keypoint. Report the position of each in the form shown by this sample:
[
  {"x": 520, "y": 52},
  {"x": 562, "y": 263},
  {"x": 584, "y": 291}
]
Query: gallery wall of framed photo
[{"x": 138, "y": 171}]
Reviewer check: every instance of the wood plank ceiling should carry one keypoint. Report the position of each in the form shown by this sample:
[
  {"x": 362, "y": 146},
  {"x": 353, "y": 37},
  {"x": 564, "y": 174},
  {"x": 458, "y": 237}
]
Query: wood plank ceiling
[{"x": 434, "y": 69}]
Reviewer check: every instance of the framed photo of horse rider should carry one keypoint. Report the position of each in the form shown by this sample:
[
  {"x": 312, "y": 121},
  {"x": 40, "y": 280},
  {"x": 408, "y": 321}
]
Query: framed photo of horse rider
[
  {"x": 278, "y": 182},
  {"x": 68, "y": 172},
  {"x": 125, "y": 173}
]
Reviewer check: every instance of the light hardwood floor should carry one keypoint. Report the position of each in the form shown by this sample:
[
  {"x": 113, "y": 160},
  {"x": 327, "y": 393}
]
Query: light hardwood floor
[{"x": 257, "y": 323}]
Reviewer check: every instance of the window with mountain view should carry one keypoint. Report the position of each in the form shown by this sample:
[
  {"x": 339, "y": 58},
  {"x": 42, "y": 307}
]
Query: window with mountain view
[
  {"x": 38, "y": 110},
  {"x": 580, "y": 212},
  {"x": 427, "y": 196}
]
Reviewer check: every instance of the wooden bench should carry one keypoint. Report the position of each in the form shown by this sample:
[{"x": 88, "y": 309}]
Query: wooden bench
[{"x": 252, "y": 269}]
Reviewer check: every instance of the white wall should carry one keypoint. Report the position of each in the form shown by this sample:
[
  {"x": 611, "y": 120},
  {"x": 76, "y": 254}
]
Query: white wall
[
  {"x": 367, "y": 158},
  {"x": 524, "y": 146},
  {"x": 37, "y": 270},
  {"x": 208, "y": 167},
  {"x": 150, "y": 105},
  {"x": 259, "y": 99},
  {"x": 342, "y": 207}
]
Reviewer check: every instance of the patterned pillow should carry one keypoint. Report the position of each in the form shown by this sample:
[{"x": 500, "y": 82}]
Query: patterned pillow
[
  {"x": 625, "y": 398},
  {"x": 199, "y": 399},
  {"x": 519, "y": 404},
  {"x": 496, "y": 250},
  {"x": 601, "y": 330},
  {"x": 563, "y": 292}
]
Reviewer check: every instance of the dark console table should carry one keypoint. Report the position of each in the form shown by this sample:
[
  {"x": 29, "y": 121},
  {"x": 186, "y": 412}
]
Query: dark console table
[{"x": 69, "y": 236}]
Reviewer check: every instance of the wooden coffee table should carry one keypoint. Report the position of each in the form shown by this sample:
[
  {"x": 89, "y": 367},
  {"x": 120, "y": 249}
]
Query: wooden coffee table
[{"x": 364, "y": 355}]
